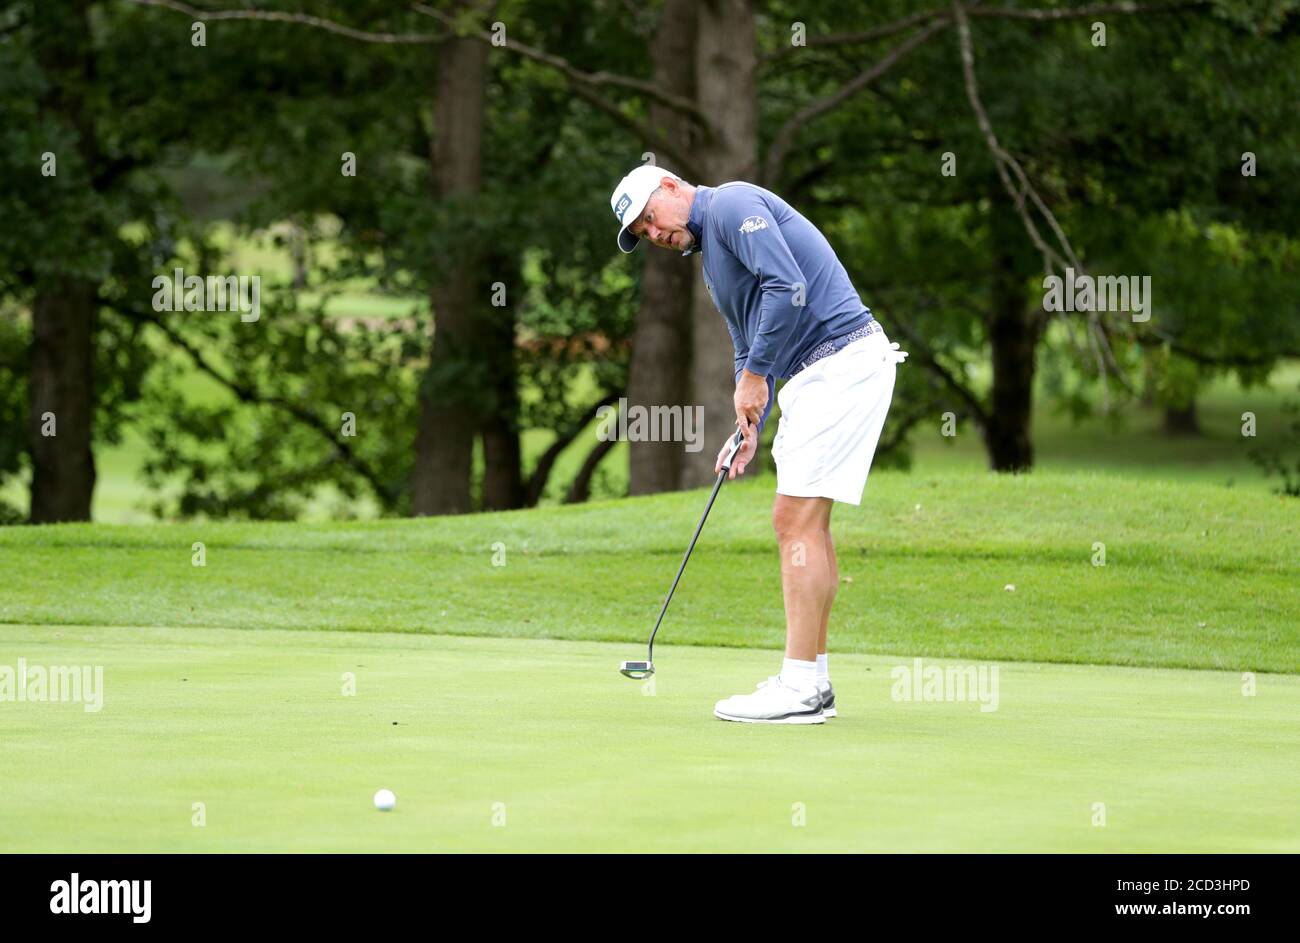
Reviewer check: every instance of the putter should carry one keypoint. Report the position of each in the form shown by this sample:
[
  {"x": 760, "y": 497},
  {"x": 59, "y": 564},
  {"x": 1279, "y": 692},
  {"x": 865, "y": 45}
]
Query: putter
[{"x": 644, "y": 669}]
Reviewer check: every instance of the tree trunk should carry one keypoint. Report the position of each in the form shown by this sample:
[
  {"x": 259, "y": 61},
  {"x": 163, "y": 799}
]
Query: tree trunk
[
  {"x": 1007, "y": 437},
  {"x": 660, "y": 370},
  {"x": 445, "y": 437},
  {"x": 1182, "y": 420},
  {"x": 726, "y": 66},
  {"x": 1015, "y": 327},
  {"x": 62, "y": 401},
  {"x": 61, "y": 397},
  {"x": 659, "y": 374},
  {"x": 503, "y": 484}
]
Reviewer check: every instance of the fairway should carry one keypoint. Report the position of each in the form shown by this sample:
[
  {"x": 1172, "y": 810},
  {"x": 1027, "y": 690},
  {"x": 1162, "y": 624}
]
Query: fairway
[
  {"x": 548, "y": 740},
  {"x": 483, "y": 651}
]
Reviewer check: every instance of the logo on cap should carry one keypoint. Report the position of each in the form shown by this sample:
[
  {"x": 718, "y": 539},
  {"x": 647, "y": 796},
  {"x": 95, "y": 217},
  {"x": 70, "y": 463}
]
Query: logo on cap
[{"x": 623, "y": 203}]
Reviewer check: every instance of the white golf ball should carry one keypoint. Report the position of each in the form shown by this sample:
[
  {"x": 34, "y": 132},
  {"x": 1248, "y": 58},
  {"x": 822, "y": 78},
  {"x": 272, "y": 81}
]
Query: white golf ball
[{"x": 385, "y": 800}]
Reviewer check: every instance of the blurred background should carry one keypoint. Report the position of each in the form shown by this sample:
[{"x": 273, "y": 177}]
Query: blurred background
[{"x": 423, "y": 191}]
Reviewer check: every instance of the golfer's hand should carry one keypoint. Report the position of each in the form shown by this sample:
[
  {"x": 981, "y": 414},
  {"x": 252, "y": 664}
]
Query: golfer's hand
[
  {"x": 751, "y": 399},
  {"x": 744, "y": 455}
]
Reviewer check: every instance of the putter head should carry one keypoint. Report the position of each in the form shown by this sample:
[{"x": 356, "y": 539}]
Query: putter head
[{"x": 637, "y": 669}]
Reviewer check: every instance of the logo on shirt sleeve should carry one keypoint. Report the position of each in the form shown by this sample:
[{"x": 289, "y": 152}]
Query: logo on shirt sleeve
[{"x": 753, "y": 224}]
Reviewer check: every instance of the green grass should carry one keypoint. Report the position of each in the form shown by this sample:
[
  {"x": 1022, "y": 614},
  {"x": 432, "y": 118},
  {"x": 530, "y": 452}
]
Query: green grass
[
  {"x": 1195, "y": 575},
  {"x": 566, "y": 755},
  {"x": 479, "y": 684}
]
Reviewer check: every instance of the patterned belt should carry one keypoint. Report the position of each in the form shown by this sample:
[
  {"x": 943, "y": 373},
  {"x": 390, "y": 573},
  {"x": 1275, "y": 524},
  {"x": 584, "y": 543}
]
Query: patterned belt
[{"x": 838, "y": 343}]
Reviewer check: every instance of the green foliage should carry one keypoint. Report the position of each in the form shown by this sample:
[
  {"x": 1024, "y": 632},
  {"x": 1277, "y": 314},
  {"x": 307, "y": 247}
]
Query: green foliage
[
  {"x": 14, "y": 339},
  {"x": 1137, "y": 146},
  {"x": 278, "y": 431},
  {"x": 1283, "y": 461}
]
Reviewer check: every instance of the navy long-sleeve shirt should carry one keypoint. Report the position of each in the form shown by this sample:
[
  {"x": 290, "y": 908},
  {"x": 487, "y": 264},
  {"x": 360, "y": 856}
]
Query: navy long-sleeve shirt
[{"x": 773, "y": 276}]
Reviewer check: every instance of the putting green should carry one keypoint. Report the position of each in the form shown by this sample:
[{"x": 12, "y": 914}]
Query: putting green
[{"x": 532, "y": 745}]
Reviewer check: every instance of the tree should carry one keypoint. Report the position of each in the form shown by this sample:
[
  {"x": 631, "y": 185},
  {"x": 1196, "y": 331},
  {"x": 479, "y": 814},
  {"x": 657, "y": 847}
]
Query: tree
[
  {"x": 74, "y": 172},
  {"x": 1051, "y": 153},
  {"x": 661, "y": 348},
  {"x": 466, "y": 239},
  {"x": 444, "y": 442}
]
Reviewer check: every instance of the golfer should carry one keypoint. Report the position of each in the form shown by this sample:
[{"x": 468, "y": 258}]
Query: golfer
[{"x": 794, "y": 314}]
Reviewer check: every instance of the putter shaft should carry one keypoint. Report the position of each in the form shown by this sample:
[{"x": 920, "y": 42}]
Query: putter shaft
[{"x": 737, "y": 441}]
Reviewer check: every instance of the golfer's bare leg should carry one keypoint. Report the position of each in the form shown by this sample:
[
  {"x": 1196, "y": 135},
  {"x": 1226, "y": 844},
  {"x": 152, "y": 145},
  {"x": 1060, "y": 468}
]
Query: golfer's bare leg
[
  {"x": 835, "y": 585},
  {"x": 801, "y": 525}
]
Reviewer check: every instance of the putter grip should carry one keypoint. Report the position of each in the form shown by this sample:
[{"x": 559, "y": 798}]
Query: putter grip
[{"x": 736, "y": 442}]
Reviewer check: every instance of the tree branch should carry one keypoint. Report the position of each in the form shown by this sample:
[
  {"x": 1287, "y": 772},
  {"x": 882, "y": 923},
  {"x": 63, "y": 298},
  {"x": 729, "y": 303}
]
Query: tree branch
[
  {"x": 918, "y": 348},
  {"x": 1007, "y": 166},
  {"x": 898, "y": 428},
  {"x": 246, "y": 394},
  {"x": 592, "y": 80},
  {"x": 580, "y": 491},
  {"x": 655, "y": 141},
  {"x": 1001, "y": 159},
  {"x": 542, "y": 472},
  {"x": 584, "y": 84},
  {"x": 1213, "y": 360},
  {"x": 805, "y": 180},
  {"x": 784, "y": 139},
  {"x": 305, "y": 19},
  {"x": 1004, "y": 13},
  {"x": 851, "y": 39},
  {"x": 1092, "y": 9}
]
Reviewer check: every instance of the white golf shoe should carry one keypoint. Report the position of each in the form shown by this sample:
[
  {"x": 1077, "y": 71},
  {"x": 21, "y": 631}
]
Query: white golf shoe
[
  {"x": 828, "y": 698},
  {"x": 773, "y": 703},
  {"x": 823, "y": 687}
]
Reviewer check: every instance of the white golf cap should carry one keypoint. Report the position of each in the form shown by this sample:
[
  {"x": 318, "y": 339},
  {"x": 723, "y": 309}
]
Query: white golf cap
[{"x": 630, "y": 197}]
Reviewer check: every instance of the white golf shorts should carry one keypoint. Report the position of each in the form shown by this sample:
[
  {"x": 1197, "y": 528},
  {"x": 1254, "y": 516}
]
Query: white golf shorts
[{"x": 831, "y": 416}]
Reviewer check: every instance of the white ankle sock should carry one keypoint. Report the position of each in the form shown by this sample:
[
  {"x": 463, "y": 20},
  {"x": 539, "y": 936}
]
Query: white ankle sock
[
  {"x": 800, "y": 675},
  {"x": 823, "y": 670}
]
